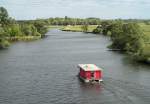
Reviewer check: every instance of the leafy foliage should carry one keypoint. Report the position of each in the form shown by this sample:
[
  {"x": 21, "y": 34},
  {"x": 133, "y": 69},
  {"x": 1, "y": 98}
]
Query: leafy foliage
[
  {"x": 41, "y": 28},
  {"x": 10, "y": 29},
  {"x": 3, "y": 41},
  {"x": 98, "y": 30},
  {"x": 29, "y": 30},
  {"x": 3, "y": 16},
  {"x": 84, "y": 28},
  {"x": 133, "y": 37},
  {"x": 130, "y": 38},
  {"x": 13, "y": 30}
]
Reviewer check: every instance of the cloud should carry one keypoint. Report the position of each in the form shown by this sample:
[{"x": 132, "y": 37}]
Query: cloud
[{"x": 31, "y": 9}]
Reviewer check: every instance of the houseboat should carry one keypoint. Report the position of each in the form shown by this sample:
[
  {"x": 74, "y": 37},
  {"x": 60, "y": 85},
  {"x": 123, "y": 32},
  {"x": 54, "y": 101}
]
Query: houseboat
[{"x": 90, "y": 73}]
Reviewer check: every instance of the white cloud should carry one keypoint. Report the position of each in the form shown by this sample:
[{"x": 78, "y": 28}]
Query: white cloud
[{"x": 29, "y": 9}]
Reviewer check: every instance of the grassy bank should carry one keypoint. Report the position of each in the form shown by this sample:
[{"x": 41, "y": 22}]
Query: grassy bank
[
  {"x": 144, "y": 56},
  {"x": 78, "y": 28},
  {"x": 55, "y": 27},
  {"x": 23, "y": 38},
  {"x": 25, "y": 30},
  {"x": 146, "y": 30}
]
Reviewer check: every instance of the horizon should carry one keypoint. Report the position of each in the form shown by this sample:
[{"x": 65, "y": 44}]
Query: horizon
[
  {"x": 83, "y": 18},
  {"x": 104, "y": 9}
]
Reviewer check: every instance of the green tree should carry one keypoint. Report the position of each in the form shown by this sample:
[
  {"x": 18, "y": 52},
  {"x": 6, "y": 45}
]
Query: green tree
[
  {"x": 106, "y": 26},
  {"x": 3, "y": 22},
  {"x": 3, "y": 41},
  {"x": 34, "y": 31},
  {"x": 84, "y": 28},
  {"x": 128, "y": 37},
  {"x": 13, "y": 30},
  {"x": 4, "y": 18},
  {"x": 98, "y": 30},
  {"x": 134, "y": 37},
  {"x": 117, "y": 36},
  {"x": 29, "y": 30},
  {"x": 41, "y": 28},
  {"x": 26, "y": 29}
]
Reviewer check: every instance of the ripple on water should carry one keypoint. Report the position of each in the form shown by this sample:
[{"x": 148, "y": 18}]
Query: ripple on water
[{"x": 44, "y": 72}]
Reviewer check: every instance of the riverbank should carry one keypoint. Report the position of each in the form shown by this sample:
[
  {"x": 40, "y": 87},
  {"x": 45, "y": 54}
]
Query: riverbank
[
  {"x": 78, "y": 28},
  {"x": 144, "y": 56},
  {"x": 23, "y": 30},
  {"x": 50, "y": 27},
  {"x": 23, "y": 38}
]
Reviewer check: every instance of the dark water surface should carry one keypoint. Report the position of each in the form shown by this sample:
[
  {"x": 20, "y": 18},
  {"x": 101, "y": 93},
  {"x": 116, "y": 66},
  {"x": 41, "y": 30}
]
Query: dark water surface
[{"x": 44, "y": 72}]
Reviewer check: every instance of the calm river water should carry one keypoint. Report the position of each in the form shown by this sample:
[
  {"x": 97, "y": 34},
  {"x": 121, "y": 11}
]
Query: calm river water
[{"x": 44, "y": 72}]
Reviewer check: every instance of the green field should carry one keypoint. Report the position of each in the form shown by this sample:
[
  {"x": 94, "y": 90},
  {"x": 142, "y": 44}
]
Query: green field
[
  {"x": 146, "y": 29},
  {"x": 78, "y": 28},
  {"x": 55, "y": 27}
]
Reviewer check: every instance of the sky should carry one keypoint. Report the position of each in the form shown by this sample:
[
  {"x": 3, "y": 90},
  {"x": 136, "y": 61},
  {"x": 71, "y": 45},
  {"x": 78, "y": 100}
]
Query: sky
[{"x": 104, "y": 9}]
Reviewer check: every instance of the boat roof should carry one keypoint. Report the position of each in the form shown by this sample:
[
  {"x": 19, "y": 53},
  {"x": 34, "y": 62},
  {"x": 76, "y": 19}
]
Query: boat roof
[{"x": 89, "y": 67}]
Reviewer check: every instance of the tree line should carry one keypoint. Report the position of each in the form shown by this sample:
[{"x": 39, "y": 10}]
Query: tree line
[
  {"x": 10, "y": 29},
  {"x": 68, "y": 21},
  {"x": 80, "y": 21},
  {"x": 127, "y": 37}
]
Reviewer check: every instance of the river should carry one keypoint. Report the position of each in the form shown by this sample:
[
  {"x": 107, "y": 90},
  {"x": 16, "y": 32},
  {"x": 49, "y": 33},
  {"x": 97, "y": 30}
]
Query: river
[{"x": 44, "y": 72}]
